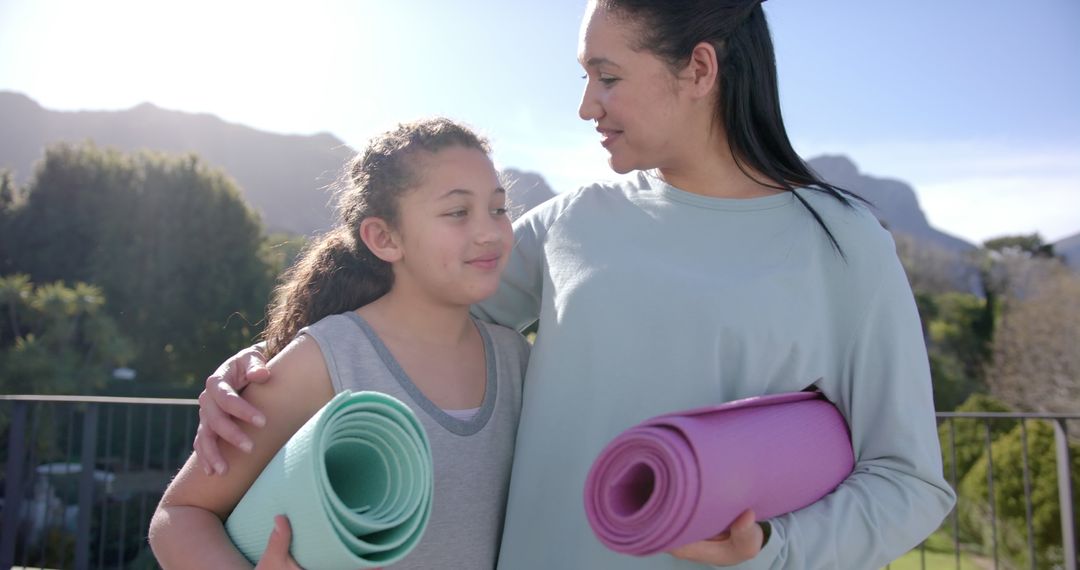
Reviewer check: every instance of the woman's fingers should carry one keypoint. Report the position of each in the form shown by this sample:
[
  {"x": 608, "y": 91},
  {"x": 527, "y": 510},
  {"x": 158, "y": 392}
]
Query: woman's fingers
[
  {"x": 220, "y": 407},
  {"x": 226, "y": 383},
  {"x": 741, "y": 542}
]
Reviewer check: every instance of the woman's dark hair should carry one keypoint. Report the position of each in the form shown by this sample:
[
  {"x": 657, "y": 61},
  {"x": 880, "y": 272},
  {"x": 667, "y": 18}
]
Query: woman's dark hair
[
  {"x": 337, "y": 272},
  {"x": 748, "y": 96}
]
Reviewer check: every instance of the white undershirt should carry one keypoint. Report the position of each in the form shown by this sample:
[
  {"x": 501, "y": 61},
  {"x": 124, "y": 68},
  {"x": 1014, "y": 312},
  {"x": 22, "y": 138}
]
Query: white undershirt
[{"x": 466, "y": 414}]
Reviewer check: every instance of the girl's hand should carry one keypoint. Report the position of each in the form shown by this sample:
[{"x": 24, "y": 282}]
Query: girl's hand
[
  {"x": 738, "y": 544},
  {"x": 220, "y": 403},
  {"x": 276, "y": 556}
]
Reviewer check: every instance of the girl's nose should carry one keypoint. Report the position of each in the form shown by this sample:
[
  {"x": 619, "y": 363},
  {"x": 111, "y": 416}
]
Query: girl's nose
[{"x": 489, "y": 231}]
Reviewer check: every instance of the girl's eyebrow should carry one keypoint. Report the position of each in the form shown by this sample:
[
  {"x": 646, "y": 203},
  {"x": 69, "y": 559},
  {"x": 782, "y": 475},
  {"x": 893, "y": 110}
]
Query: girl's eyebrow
[{"x": 467, "y": 192}]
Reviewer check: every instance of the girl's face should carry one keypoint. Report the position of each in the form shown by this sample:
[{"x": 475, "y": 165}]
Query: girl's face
[
  {"x": 639, "y": 107},
  {"x": 454, "y": 232}
]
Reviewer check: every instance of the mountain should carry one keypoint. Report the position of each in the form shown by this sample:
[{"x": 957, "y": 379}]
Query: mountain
[
  {"x": 893, "y": 201},
  {"x": 526, "y": 190},
  {"x": 284, "y": 177},
  {"x": 1069, "y": 248},
  {"x": 287, "y": 178}
]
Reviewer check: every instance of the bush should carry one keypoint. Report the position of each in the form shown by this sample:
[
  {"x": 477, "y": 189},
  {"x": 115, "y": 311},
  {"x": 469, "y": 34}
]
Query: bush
[{"x": 1010, "y": 500}]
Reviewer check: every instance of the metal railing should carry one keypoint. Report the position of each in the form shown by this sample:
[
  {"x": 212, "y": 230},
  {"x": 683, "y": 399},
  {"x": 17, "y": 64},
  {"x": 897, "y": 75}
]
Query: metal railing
[
  {"x": 82, "y": 475},
  {"x": 1035, "y": 555}
]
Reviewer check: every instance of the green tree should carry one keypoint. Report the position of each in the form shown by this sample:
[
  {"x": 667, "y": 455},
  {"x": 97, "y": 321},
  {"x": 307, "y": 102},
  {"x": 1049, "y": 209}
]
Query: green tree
[
  {"x": 177, "y": 252},
  {"x": 9, "y": 201},
  {"x": 958, "y": 345},
  {"x": 1029, "y": 244},
  {"x": 1036, "y": 351},
  {"x": 280, "y": 250},
  {"x": 56, "y": 339},
  {"x": 1009, "y": 498},
  {"x": 965, "y": 438}
]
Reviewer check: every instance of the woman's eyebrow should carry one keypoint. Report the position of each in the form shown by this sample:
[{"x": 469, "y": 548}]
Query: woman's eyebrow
[{"x": 598, "y": 61}]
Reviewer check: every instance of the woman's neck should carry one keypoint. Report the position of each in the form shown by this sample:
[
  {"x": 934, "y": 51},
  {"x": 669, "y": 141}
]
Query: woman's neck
[
  {"x": 406, "y": 316},
  {"x": 708, "y": 168}
]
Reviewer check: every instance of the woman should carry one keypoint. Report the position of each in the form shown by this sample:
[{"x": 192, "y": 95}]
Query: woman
[{"x": 728, "y": 270}]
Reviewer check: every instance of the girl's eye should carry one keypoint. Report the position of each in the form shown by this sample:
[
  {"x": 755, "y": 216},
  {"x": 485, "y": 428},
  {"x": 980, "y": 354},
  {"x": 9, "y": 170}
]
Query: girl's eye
[
  {"x": 457, "y": 213},
  {"x": 499, "y": 211}
]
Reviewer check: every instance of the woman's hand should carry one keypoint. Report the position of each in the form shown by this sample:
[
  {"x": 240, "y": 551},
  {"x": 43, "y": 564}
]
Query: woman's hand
[
  {"x": 220, "y": 403},
  {"x": 276, "y": 556},
  {"x": 738, "y": 544}
]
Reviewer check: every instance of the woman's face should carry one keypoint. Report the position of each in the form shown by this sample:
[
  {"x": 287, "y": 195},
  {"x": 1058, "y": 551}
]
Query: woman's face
[{"x": 637, "y": 103}]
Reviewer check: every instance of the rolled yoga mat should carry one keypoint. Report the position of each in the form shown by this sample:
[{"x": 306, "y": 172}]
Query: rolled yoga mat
[
  {"x": 684, "y": 477},
  {"x": 355, "y": 482}
]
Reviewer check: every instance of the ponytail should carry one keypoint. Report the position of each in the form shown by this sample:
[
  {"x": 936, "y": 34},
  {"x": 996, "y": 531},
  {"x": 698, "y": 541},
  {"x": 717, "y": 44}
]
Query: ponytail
[
  {"x": 750, "y": 108},
  {"x": 336, "y": 273}
]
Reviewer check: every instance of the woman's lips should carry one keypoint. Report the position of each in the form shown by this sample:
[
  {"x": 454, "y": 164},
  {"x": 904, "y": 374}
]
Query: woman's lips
[{"x": 608, "y": 136}]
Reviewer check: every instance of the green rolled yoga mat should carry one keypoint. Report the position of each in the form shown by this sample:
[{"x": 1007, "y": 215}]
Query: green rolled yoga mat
[{"x": 355, "y": 482}]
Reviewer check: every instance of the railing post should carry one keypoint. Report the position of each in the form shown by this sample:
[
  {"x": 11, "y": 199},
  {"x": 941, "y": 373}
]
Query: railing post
[
  {"x": 86, "y": 487},
  {"x": 1065, "y": 498},
  {"x": 13, "y": 487}
]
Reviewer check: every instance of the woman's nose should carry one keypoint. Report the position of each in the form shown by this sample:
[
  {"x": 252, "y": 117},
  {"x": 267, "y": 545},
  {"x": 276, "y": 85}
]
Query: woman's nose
[{"x": 590, "y": 108}]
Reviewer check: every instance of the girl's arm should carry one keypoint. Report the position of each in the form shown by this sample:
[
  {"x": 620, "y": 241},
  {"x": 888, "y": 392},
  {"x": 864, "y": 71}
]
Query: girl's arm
[{"x": 187, "y": 530}]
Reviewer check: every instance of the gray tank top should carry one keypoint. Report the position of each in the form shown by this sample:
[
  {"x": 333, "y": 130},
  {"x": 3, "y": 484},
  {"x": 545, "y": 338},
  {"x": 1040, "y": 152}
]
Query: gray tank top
[{"x": 472, "y": 457}]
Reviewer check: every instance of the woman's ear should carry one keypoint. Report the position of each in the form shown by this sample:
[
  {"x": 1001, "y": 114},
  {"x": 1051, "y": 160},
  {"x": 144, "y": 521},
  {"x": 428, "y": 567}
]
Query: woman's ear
[
  {"x": 381, "y": 239},
  {"x": 703, "y": 69}
]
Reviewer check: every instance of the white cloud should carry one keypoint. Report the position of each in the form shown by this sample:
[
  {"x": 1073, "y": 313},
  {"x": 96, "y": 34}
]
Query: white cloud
[{"x": 980, "y": 208}]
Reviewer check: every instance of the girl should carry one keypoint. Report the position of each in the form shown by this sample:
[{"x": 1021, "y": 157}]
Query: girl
[
  {"x": 726, "y": 270},
  {"x": 382, "y": 303}
]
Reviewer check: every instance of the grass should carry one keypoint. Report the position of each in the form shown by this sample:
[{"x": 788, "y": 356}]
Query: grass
[
  {"x": 934, "y": 561},
  {"x": 940, "y": 555}
]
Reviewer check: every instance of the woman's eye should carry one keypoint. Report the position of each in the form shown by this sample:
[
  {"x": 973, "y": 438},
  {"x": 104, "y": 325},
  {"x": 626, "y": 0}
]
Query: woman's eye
[
  {"x": 604, "y": 78},
  {"x": 499, "y": 211},
  {"x": 457, "y": 213}
]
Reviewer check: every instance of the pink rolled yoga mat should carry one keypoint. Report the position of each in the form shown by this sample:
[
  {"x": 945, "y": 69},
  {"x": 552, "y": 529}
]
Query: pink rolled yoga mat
[{"x": 684, "y": 477}]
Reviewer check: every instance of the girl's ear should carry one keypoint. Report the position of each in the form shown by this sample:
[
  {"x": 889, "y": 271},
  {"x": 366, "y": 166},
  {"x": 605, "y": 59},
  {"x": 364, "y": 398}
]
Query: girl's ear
[{"x": 381, "y": 239}]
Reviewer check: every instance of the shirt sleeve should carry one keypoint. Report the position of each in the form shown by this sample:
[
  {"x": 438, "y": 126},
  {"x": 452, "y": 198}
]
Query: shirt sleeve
[
  {"x": 516, "y": 304},
  {"x": 897, "y": 494}
]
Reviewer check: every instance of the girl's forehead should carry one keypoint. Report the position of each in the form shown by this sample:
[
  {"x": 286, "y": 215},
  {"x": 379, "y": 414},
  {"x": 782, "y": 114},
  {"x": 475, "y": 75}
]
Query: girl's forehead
[{"x": 457, "y": 167}]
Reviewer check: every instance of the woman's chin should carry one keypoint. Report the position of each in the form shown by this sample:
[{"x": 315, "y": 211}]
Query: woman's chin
[{"x": 620, "y": 166}]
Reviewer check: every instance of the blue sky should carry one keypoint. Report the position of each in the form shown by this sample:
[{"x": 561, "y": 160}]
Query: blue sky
[{"x": 976, "y": 103}]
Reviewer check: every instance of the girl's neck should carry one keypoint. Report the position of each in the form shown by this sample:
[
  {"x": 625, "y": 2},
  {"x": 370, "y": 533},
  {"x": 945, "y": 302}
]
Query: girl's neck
[{"x": 408, "y": 317}]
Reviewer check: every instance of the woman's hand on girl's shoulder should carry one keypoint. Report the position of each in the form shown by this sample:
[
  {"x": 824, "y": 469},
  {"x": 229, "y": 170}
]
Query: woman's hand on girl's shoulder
[
  {"x": 299, "y": 388},
  {"x": 743, "y": 541},
  {"x": 221, "y": 408}
]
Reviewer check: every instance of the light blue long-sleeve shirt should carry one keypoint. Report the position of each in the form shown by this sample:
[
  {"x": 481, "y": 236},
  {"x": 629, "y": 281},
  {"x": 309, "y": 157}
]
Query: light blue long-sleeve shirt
[{"x": 652, "y": 300}]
